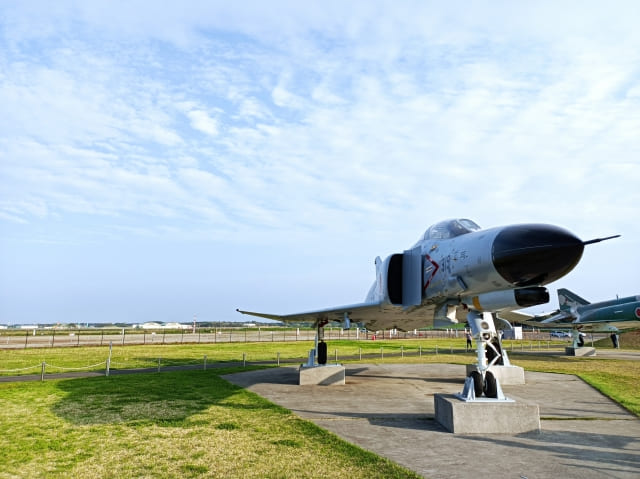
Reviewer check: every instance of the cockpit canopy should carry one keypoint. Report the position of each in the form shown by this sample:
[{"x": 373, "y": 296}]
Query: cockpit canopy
[{"x": 450, "y": 229}]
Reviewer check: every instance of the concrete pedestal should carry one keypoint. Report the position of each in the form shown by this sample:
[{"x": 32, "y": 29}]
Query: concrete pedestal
[
  {"x": 583, "y": 351},
  {"x": 507, "y": 375},
  {"x": 485, "y": 417},
  {"x": 328, "y": 375}
]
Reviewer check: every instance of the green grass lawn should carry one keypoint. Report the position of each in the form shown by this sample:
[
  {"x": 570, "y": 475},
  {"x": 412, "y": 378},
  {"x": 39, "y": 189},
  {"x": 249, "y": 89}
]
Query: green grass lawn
[
  {"x": 28, "y": 361},
  {"x": 195, "y": 424},
  {"x": 175, "y": 424}
]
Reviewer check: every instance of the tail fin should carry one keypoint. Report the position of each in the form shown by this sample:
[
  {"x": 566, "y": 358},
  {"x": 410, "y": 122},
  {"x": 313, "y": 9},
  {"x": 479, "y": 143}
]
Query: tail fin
[{"x": 567, "y": 299}]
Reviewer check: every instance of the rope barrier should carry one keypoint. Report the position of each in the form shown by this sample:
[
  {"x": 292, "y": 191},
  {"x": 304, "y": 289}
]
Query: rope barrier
[
  {"x": 76, "y": 368},
  {"x": 152, "y": 362},
  {"x": 179, "y": 363},
  {"x": 21, "y": 369}
]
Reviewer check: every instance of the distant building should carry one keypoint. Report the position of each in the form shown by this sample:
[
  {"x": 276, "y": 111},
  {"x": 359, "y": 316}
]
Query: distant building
[
  {"x": 154, "y": 325},
  {"x": 177, "y": 326},
  {"x": 151, "y": 326}
]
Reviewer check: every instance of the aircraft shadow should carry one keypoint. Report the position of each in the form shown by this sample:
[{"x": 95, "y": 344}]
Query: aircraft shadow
[
  {"x": 419, "y": 422},
  {"x": 605, "y": 449},
  {"x": 166, "y": 399}
]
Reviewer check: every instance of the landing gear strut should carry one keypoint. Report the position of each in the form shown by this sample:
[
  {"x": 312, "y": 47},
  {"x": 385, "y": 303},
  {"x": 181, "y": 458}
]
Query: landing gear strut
[
  {"x": 489, "y": 353},
  {"x": 318, "y": 355}
]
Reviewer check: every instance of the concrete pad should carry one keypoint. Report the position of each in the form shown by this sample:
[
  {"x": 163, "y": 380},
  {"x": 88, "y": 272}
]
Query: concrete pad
[
  {"x": 507, "y": 375},
  {"x": 389, "y": 409},
  {"x": 480, "y": 417},
  {"x": 327, "y": 375},
  {"x": 583, "y": 351}
]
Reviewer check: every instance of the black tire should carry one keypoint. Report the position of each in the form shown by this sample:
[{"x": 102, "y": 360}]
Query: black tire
[
  {"x": 490, "y": 385},
  {"x": 477, "y": 382},
  {"x": 322, "y": 352}
]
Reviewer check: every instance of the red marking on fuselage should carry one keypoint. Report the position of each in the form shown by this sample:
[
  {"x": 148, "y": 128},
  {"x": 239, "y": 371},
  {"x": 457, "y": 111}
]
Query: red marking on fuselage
[
  {"x": 436, "y": 266},
  {"x": 637, "y": 312}
]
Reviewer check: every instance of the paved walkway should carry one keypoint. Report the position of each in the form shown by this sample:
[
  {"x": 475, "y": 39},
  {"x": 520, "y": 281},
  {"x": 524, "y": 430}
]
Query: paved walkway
[{"x": 388, "y": 409}]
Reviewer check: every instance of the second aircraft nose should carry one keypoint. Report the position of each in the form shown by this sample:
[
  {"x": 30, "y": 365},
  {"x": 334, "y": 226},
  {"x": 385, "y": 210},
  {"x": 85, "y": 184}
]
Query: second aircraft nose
[{"x": 535, "y": 254}]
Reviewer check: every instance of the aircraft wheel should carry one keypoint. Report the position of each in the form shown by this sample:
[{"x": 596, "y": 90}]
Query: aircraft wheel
[
  {"x": 477, "y": 382},
  {"x": 490, "y": 385},
  {"x": 322, "y": 352}
]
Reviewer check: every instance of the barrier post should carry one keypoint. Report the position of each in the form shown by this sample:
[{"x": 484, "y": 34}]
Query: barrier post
[
  {"x": 44, "y": 365},
  {"x": 205, "y": 362},
  {"x": 158, "y": 364},
  {"x": 278, "y": 359},
  {"x": 244, "y": 360}
]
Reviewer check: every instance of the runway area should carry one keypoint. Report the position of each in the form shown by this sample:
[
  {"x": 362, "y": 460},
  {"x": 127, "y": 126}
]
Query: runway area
[{"x": 389, "y": 409}]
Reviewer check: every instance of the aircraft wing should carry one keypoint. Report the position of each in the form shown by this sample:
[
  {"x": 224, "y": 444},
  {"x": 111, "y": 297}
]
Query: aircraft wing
[
  {"x": 545, "y": 321},
  {"x": 515, "y": 316},
  {"x": 374, "y": 316}
]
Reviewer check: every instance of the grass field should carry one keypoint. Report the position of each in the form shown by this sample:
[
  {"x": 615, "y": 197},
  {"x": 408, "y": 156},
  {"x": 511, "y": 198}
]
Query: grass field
[
  {"x": 195, "y": 424},
  {"x": 28, "y": 361},
  {"x": 175, "y": 424}
]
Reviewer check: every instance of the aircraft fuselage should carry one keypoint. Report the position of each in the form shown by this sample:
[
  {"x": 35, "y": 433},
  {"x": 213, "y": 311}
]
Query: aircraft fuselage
[
  {"x": 486, "y": 270},
  {"x": 616, "y": 310}
]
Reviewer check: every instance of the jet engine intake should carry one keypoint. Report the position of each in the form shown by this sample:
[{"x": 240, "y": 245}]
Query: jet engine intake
[{"x": 399, "y": 278}]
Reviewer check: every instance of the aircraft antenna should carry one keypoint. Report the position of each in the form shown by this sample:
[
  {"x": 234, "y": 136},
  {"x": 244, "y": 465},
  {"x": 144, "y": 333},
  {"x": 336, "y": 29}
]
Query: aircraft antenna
[{"x": 597, "y": 240}]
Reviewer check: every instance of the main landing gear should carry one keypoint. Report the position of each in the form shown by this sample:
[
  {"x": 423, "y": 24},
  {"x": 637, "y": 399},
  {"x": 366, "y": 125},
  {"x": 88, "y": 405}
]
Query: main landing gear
[
  {"x": 489, "y": 353},
  {"x": 318, "y": 355}
]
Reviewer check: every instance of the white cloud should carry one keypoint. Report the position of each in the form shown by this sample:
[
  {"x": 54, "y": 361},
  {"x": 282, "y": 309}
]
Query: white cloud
[
  {"x": 201, "y": 121},
  {"x": 318, "y": 126}
]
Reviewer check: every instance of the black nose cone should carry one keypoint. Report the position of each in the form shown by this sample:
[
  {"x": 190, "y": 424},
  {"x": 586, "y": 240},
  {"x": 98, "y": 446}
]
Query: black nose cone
[{"x": 527, "y": 255}]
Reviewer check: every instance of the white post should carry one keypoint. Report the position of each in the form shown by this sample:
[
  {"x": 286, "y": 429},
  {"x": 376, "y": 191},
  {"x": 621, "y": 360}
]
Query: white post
[{"x": 109, "y": 359}]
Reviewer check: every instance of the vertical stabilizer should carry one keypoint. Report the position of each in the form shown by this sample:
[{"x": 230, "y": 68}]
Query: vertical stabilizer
[{"x": 568, "y": 300}]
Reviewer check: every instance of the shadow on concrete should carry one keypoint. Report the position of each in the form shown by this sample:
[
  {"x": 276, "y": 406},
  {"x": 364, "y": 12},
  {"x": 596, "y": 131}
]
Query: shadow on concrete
[{"x": 605, "y": 449}]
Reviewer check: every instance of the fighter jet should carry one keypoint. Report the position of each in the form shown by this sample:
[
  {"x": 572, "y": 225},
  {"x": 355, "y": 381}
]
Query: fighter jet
[
  {"x": 581, "y": 315},
  {"x": 456, "y": 271}
]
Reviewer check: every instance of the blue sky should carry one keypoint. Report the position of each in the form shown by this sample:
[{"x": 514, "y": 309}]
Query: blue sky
[{"x": 162, "y": 159}]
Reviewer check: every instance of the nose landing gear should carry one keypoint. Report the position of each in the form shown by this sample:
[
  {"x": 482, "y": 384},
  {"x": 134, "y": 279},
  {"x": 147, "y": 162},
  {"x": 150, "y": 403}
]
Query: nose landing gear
[{"x": 489, "y": 352}]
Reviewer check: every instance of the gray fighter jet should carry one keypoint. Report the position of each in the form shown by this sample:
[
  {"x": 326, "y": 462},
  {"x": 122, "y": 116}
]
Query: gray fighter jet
[{"x": 458, "y": 271}]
